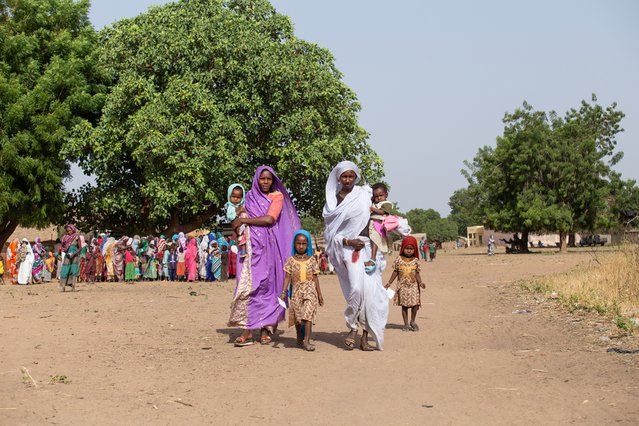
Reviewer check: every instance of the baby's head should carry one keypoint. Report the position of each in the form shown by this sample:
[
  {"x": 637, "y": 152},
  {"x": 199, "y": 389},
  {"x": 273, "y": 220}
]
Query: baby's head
[
  {"x": 380, "y": 192},
  {"x": 236, "y": 194}
]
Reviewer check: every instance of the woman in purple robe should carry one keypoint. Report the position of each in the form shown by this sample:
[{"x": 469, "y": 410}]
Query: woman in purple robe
[{"x": 272, "y": 221}]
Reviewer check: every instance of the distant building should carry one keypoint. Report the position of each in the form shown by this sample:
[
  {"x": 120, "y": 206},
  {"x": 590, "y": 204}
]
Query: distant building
[{"x": 475, "y": 235}]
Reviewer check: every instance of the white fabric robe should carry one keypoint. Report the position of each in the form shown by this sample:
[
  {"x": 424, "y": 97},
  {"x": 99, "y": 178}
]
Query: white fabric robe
[
  {"x": 25, "y": 271},
  {"x": 366, "y": 298}
]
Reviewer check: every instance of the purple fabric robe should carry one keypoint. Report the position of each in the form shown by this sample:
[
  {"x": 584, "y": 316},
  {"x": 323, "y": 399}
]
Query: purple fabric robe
[{"x": 270, "y": 247}]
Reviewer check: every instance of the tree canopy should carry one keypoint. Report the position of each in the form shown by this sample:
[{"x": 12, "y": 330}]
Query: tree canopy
[
  {"x": 49, "y": 82},
  {"x": 465, "y": 208},
  {"x": 431, "y": 223},
  {"x": 204, "y": 91},
  {"x": 549, "y": 173}
]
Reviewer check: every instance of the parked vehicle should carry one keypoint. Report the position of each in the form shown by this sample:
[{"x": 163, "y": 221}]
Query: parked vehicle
[{"x": 593, "y": 240}]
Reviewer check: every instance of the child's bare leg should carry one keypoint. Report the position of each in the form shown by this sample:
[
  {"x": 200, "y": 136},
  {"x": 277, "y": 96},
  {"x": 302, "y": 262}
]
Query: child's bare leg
[
  {"x": 308, "y": 328},
  {"x": 405, "y": 317},
  {"x": 413, "y": 315},
  {"x": 300, "y": 336},
  {"x": 371, "y": 261}
]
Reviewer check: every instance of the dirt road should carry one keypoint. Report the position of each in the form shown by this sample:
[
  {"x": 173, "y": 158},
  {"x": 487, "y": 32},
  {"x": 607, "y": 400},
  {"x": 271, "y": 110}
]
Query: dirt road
[{"x": 155, "y": 354}]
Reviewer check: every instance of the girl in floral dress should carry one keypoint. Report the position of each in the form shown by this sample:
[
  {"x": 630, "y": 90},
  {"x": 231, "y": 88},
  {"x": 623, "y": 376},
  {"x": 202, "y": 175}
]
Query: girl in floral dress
[
  {"x": 302, "y": 271},
  {"x": 406, "y": 267}
]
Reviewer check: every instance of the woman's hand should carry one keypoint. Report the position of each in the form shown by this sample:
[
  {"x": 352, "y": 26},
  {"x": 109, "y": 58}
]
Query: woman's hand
[
  {"x": 356, "y": 244},
  {"x": 422, "y": 285},
  {"x": 237, "y": 222}
]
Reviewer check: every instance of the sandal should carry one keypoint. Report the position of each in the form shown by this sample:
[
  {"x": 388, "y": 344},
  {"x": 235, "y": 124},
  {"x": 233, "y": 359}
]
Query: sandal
[
  {"x": 244, "y": 341},
  {"x": 349, "y": 342},
  {"x": 366, "y": 347},
  {"x": 406, "y": 328},
  {"x": 414, "y": 327},
  {"x": 309, "y": 347},
  {"x": 265, "y": 339}
]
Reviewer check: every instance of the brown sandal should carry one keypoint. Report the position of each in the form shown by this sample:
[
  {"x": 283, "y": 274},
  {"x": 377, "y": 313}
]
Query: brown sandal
[
  {"x": 349, "y": 342},
  {"x": 366, "y": 347}
]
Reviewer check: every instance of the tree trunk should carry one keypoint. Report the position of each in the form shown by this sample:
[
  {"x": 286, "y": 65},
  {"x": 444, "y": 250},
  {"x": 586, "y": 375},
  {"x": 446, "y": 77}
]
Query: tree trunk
[
  {"x": 562, "y": 242},
  {"x": 174, "y": 223},
  {"x": 571, "y": 239},
  {"x": 6, "y": 230},
  {"x": 524, "y": 242},
  {"x": 176, "y": 226}
]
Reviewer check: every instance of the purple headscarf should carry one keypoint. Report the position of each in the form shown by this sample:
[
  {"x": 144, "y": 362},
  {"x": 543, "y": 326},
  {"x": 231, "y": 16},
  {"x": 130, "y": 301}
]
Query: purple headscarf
[
  {"x": 270, "y": 247},
  {"x": 67, "y": 239}
]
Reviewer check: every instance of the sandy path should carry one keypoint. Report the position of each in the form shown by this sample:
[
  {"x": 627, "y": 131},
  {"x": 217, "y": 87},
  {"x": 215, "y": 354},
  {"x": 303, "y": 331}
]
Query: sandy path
[{"x": 153, "y": 354}]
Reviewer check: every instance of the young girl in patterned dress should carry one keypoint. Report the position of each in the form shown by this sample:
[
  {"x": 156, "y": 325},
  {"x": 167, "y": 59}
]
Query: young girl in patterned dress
[
  {"x": 406, "y": 267},
  {"x": 302, "y": 271}
]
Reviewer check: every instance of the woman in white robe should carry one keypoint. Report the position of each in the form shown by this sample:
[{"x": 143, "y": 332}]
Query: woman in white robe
[
  {"x": 24, "y": 273},
  {"x": 346, "y": 215},
  {"x": 203, "y": 253}
]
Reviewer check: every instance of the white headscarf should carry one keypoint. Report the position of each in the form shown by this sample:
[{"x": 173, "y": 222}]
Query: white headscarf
[
  {"x": 107, "y": 246},
  {"x": 351, "y": 216},
  {"x": 333, "y": 185}
]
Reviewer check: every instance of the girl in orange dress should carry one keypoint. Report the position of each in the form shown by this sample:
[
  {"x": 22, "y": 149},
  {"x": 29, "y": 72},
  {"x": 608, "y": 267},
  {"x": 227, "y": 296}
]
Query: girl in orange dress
[{"x": 302, "y": 271}]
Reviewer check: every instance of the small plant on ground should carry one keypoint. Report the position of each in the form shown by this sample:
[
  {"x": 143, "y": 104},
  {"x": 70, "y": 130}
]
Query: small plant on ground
[{"x": 59, "y": 379}]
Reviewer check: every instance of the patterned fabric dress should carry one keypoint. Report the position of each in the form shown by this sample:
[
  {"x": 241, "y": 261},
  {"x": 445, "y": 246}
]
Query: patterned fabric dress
[
  {"x": 408, "y": 294},
  {"x": 304, "y": 301}
]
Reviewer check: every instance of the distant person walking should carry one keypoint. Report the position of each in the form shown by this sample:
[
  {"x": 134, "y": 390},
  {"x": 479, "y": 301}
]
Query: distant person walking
[{"x": 71, "y": 262}]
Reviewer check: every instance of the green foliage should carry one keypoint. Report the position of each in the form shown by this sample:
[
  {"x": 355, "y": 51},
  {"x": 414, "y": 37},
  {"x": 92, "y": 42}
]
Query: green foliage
[
  {"x": 548, "y": 173},
  {"x": 624, "y": 199},
  {"x": 205, "y": 91},
  {"x": 465, "y": 208},
  {"x": 431, "y": 223},
  {"x": 312, "y": 224},
  {"x": 49, "y": 82},
  {"x": 417, "y": 218}
]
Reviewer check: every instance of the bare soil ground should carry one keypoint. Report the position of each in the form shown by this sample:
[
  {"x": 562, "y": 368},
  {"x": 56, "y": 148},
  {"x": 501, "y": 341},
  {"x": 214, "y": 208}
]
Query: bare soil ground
[{"x": 153, "y": 353}]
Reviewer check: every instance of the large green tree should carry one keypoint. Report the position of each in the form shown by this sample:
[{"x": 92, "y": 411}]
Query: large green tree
[
  {"x": 465, "y": 208},
  {"x": 205, "y": 91},
  {"x": 49, "y": 82},
  {"x": 549, "y": 173}
]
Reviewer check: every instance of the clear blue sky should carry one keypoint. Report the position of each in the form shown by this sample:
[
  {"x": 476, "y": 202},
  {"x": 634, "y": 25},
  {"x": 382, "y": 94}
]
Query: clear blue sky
[{"x": 435, "y": 78}]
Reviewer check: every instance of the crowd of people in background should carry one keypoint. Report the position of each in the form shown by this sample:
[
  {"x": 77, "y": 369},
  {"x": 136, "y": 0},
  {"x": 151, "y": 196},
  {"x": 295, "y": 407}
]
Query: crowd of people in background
[
  {"x": 210, "y": 257},
  {"x": 104, "y": 258}
]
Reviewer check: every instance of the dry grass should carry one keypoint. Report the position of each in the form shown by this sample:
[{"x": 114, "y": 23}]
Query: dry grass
[{"x": 609, "y": 285}]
